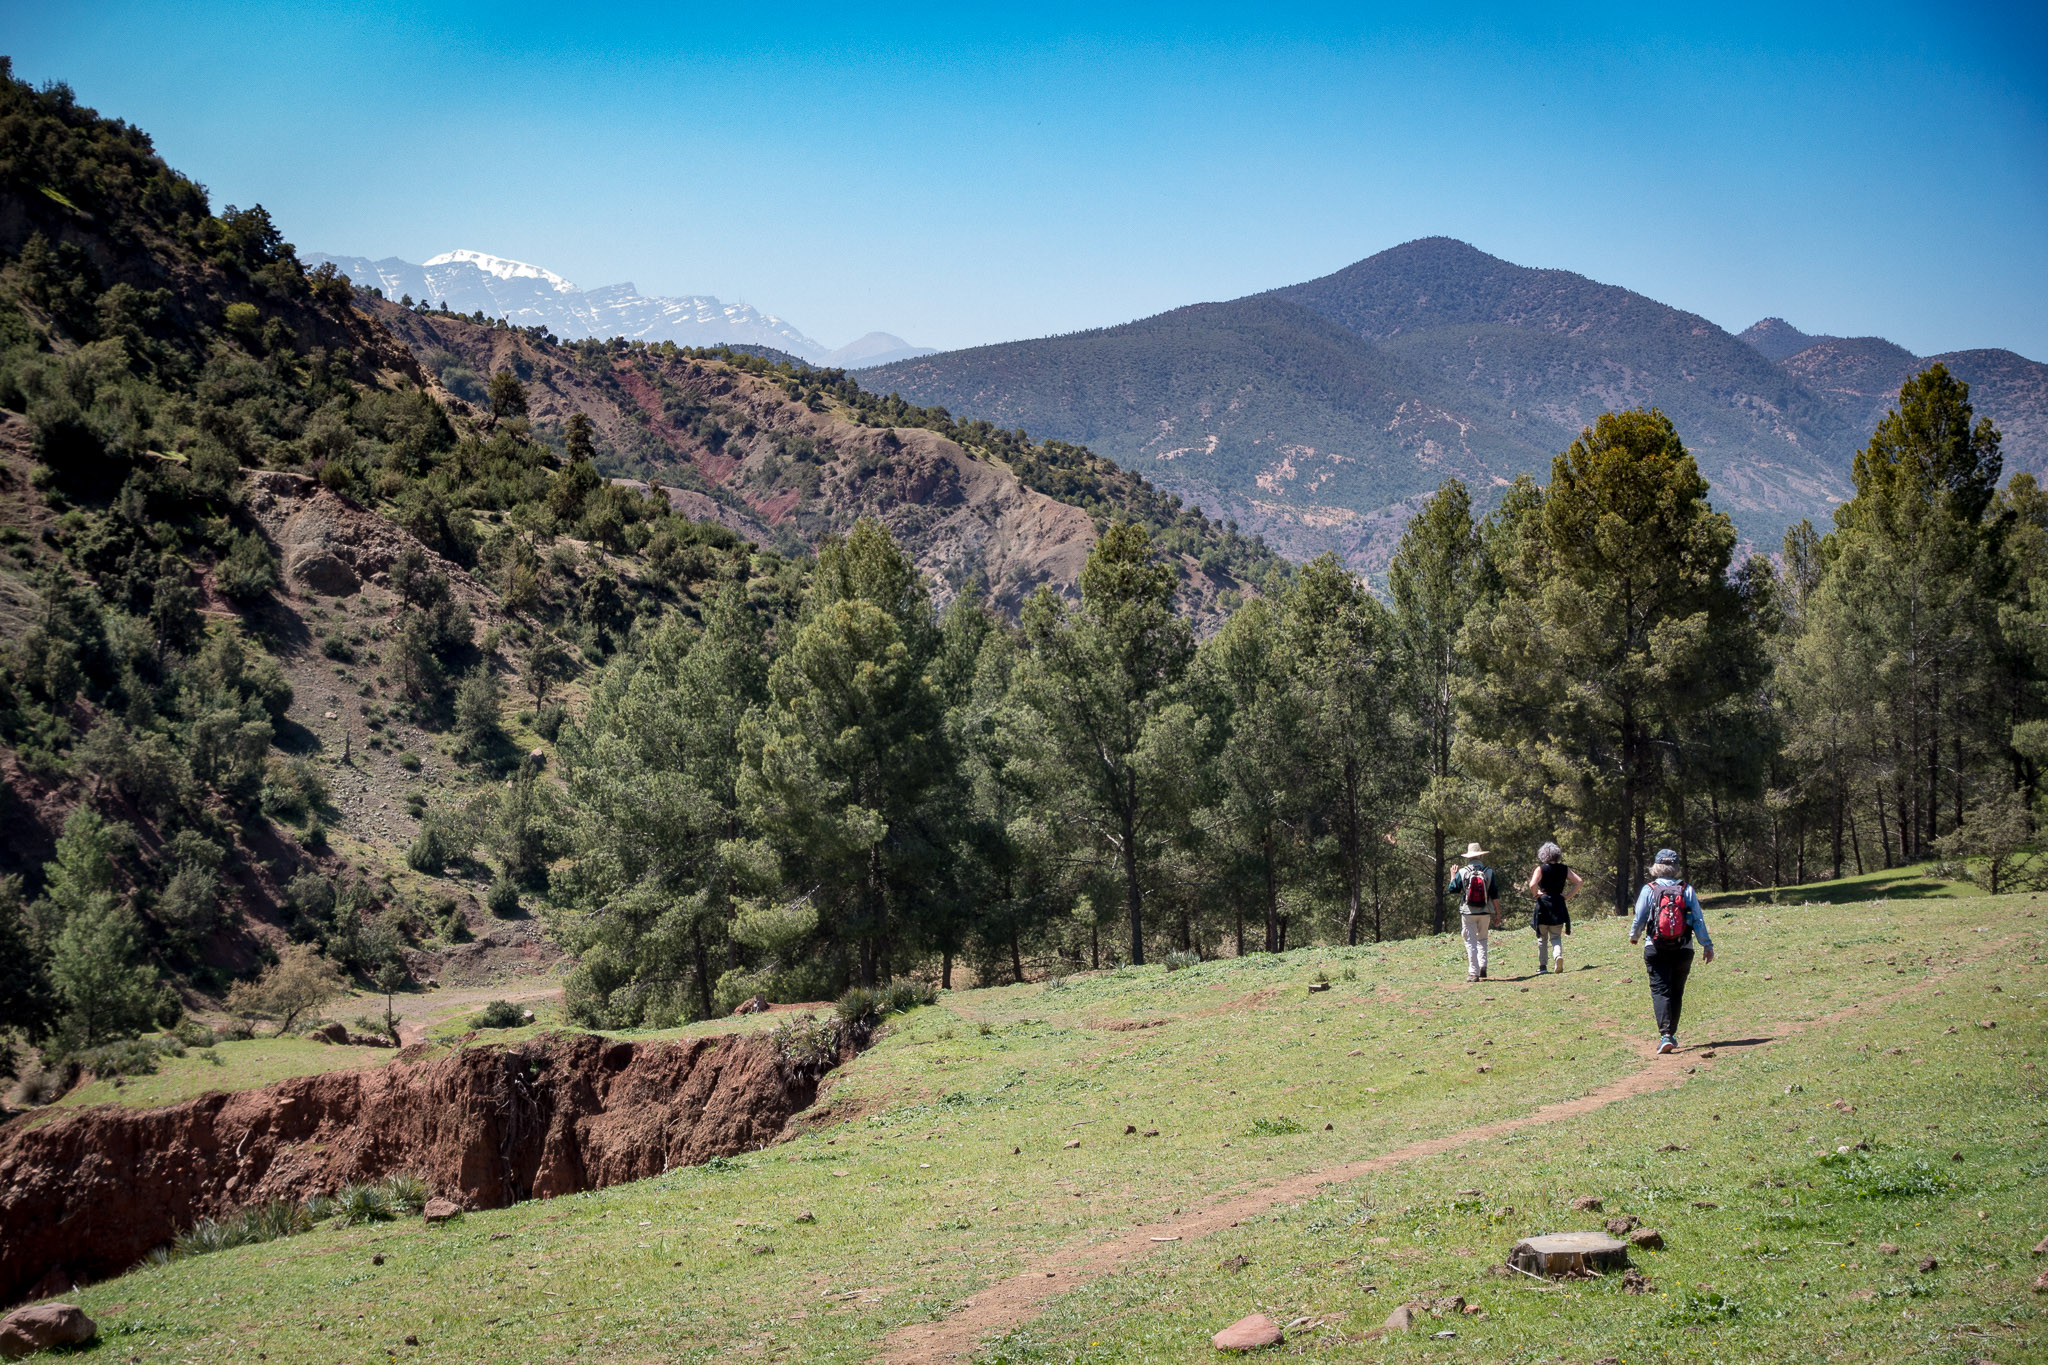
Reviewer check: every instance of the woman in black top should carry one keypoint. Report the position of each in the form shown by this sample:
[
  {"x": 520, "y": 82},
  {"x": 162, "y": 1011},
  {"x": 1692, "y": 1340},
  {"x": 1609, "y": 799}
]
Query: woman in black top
[{"x": 1553, "y": 885}]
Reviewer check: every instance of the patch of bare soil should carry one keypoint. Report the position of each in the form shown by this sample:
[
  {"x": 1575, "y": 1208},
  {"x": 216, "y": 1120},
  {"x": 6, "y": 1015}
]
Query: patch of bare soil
[{"x": 90, "y": 1194}]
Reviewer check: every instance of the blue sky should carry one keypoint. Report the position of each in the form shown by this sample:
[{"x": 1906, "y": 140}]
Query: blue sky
[{"x": 959, "y": 175}]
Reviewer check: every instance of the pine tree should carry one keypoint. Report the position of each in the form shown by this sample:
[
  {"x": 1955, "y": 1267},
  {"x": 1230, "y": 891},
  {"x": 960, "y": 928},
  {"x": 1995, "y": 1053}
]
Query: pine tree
[
  {"x": 1344, "y": 651},
  {"x": 653, "y": 772},
  {"x": 1612, "y": 629},
  {"x": 1097, "y": 680},
  {"x": 838, "y": 775},
  {"x": 1435, "y": 578}
]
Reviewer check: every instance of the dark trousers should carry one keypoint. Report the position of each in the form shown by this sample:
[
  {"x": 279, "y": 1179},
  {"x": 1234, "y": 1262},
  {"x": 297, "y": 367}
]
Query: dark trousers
[{"x": 1669, "y": 967}]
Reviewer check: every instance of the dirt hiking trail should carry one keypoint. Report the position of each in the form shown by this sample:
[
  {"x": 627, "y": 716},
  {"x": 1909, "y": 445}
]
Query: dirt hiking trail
[{"x": 1010, "y": 1303}]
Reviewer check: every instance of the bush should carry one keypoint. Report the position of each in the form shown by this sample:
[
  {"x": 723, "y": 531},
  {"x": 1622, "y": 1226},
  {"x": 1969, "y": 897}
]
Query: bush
[
  {"x": 905, "y": 994},
  {"x": 49, "y": 1083},
  {"x": 548, "y": 721},
  {"x": 355, "y": 1203},
  {"x": 1180, "y": 958},
  {"x": 859, "y": 1006},
  {"x": 807, "y": 1042},
  {"x": 336, "y": 647},
  {"x": 503, "y": 897},
  {"x": 409, "y": 760},
  {"x": 407, "y": 1192},
  {"x": 862, "y": 1005},
  {"x": 192, "y": 1033},
  {"x": 455, "y": 926},
  {"x": 127, "y": 1057},
  {"x": 293, "y": 789},
  {"x": 499, "y": 1014},
  {"x": 444, "y": 838},
  {"x": 248, "y": 570}
]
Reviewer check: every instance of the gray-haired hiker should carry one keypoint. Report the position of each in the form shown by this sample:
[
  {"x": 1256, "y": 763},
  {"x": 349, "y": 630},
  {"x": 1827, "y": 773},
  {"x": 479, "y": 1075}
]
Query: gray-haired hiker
[
  {"x": 1479, "y": 908},
  {"x": 1553, "y": 885},
  {"x": 1669, "y": 911}
]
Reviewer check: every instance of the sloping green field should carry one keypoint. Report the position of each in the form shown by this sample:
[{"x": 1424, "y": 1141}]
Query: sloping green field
[{"x": 939, "y": 1175}]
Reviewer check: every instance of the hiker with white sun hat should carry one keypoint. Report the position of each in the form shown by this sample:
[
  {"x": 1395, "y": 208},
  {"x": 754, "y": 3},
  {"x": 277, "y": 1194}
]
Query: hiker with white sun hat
[{"x": 1479, "y": 908}]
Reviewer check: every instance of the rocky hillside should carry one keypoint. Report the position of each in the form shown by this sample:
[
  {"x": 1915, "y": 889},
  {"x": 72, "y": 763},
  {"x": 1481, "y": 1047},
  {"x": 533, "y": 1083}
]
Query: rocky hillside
[
  {"x": 783, "y": 454},
  {"x": 1859, "y": 378},
  {"x": 1319, "y": 413},
  {"x": 299, "y": 586}
]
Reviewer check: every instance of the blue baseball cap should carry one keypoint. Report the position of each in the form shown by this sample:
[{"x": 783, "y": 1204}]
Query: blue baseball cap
[{"x": 1665, "y": 855}]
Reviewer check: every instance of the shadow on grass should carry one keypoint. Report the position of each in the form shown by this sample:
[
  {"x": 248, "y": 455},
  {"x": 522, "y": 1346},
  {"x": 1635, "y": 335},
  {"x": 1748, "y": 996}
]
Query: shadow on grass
[{"x": 1900, "y": 883}]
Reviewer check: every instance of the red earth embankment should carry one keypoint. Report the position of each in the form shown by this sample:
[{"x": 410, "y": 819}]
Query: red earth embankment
[{"x": 91, "y": 1194}]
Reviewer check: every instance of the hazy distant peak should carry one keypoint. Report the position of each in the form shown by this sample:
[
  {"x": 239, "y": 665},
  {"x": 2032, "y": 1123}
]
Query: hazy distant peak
[{"x": 504, "y": 269}]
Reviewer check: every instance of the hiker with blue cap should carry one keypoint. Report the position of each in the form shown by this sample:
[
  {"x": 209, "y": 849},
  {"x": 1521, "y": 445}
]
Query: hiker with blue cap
[{"x": 1669, "y": 912}]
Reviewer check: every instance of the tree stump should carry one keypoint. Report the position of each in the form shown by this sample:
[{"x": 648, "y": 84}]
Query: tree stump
[{"x": 1568, "y": 1253}]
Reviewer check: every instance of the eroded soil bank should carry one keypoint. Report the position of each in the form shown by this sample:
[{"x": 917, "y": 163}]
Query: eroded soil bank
[{"x": 91, "y": 1194}]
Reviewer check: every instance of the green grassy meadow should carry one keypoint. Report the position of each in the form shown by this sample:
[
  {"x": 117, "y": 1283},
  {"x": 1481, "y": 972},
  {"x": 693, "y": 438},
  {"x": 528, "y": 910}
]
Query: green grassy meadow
[{"x": 938, "y": 1163}]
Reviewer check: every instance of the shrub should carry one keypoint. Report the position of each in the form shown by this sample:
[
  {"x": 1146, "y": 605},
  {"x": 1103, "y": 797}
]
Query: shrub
[
  {"x": 443, "y": 838},
  {"x": 503, "y": 897},
  {"x": 807, "y": 1041},
  {"x": 337, "y": 647},
  {"x": 355, "y": 1203},
  {"x": 905, "y": 994},
  {"x": 407, "y": 1192},
  {"x": 192, "y": 1033},
  {"x": 127, "y": 1057},
  {"x": 409, "y": 761},
  {"x": 1180, "y": 958},
  {"x": 548, "y": 721},
  {"x": 499, "y": 1014},
  {"x": 247, "y": 570},
  {"x": 293, "y": 789},
  {"x": 49, "y": 1083},
  {"x": 455, "y": 926},
  {"x": 859, "y": 1006}
]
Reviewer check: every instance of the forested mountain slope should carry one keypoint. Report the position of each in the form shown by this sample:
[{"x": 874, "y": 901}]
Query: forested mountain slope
[
  {"x": 1315, "y": 413},
  {"x": 1859, "y": 378},
  {"x": 295, "y": 582}
]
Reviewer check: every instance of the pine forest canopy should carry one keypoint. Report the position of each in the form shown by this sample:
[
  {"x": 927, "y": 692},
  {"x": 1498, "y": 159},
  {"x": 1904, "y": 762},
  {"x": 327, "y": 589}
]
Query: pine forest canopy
[{"x": 787, "y": 771}]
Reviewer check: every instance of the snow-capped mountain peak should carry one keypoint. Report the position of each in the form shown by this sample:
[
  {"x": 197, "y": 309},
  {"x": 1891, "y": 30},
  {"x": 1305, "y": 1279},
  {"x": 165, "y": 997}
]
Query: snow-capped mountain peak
[{"x": 503, "y": 269}]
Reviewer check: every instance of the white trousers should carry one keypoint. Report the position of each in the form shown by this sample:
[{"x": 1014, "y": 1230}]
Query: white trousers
[
  {"x": 1550, "y": 947},
  {"x": 1476, "y": 928}
]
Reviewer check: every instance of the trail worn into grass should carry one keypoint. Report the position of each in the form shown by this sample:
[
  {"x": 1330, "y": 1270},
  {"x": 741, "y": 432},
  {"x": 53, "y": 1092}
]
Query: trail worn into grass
[{"x": 1010, "y": 1303}]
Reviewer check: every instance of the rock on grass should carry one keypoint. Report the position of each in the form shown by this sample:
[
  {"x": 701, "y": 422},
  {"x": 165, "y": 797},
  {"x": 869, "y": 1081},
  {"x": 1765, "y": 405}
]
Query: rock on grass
[
  {"x": 43, "y": 1326},
  {"x": 1248, "y": 1334}
]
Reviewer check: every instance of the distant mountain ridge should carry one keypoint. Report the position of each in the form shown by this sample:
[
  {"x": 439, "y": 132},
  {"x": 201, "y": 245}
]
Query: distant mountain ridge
[
  {"x": 1320, "y": 414},
  {"x": 532, "y": 296}
]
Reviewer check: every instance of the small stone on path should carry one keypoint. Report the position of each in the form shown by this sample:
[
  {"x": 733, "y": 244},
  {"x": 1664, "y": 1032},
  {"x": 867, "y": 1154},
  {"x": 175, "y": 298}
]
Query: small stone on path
[
  {"x": 1647, "y": 1239},
  {"x": 1588, "y": 1203},
  {"x": 1072, "y": 1142},
  {"x": 1623, "y": 1224},
  {"x": 1403, "y": 1319},
  {"x": 1929, "y": 1266},
  {"x": 1248, "y": 1334},
  {"x": 440, "y": 1210}
]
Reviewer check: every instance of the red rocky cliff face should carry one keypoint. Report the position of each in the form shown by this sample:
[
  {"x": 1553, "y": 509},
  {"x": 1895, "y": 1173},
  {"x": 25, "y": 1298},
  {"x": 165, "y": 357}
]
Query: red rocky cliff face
[{"x": 94, "y": 1192}]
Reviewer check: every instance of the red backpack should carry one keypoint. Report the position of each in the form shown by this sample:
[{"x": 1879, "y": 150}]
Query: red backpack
[
  {"x": 1668, "y": 925},
  {"x": 1475, "y": 889}
]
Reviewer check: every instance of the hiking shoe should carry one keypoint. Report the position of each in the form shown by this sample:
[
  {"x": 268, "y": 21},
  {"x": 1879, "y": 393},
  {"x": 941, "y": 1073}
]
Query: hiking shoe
[{"x": 1668, "y": 1045}]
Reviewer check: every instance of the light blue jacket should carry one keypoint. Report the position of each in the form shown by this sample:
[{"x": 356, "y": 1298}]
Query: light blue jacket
[{"x": 1646, "y": 906}]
